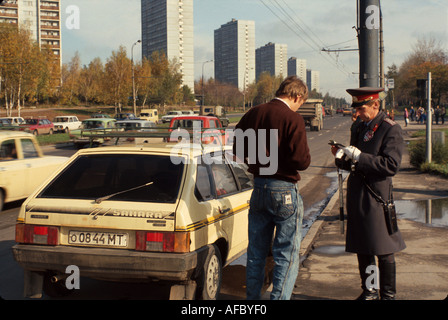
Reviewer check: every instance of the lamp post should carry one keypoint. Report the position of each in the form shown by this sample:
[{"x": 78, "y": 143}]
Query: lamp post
[
  {"x": 202, "y": 85},
  {"x": 134, "y": 98}
]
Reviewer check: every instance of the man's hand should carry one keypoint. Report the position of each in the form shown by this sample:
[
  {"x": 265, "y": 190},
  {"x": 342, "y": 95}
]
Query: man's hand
[{"x": 352, "y": 152}]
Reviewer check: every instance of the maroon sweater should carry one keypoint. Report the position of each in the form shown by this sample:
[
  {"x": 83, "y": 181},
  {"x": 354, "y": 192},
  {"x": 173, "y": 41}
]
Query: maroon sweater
[{"x": 293, "y": 150}]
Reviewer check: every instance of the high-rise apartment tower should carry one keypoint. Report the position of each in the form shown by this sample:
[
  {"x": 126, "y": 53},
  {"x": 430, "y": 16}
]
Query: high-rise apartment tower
[
  {"x": 235, "y": 53},
  {"x": 41, "y": 17},
  {"x": 272, "y": 58},
  {"x": 167, "y": 26}
]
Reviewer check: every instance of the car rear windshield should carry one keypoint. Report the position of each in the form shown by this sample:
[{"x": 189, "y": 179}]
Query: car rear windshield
[{"x": 98, "y": 176}]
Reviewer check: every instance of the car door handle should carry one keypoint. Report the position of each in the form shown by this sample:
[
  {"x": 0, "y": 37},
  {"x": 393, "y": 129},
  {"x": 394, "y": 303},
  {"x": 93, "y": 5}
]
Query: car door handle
[{"x": 224, "y": 210}]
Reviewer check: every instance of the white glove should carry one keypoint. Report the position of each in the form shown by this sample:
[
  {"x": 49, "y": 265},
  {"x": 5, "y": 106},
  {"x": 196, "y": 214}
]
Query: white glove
[
  {"x": 339, "y": 154},
  {"x": 352, "y": 152}
]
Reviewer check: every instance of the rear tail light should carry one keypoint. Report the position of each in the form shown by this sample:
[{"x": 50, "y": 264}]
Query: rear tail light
[
  {"x": 32, "y": 234},
  {"x": 178, "y": 242}
]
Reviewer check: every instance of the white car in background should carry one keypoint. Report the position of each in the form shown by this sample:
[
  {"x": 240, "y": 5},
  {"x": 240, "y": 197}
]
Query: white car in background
[
  {"x": 23, "y": 167},
  {"x": 66, "y": 123}
]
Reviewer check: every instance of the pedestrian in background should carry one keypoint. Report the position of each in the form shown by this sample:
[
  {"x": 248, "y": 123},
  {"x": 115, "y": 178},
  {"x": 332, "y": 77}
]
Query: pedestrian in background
[
  {"x": 406, "y": 117},
  {"x": 412, "y": 113},
  {"x": 276, "y": 204},
  {"x": 373, "y": 158},
  {"x": 437, "y": 114},
  {"x": 442, "y": 114}
]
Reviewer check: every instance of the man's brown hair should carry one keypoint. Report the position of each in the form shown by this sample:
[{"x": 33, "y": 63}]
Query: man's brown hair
[{"x": 292, "y": 87}]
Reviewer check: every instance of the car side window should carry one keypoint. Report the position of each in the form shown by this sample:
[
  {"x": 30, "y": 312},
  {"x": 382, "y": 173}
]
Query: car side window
[
  {"x": 224, "y": 181},
  {"x": 203, "y": 188},
  {"x": 8, "y": 150},
  {"x": 29, "y": 151},
  {"x": 245, "y": 178}
]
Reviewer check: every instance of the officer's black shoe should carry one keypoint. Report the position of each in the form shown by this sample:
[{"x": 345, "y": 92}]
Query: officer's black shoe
[{"x": 369, "y": 294}]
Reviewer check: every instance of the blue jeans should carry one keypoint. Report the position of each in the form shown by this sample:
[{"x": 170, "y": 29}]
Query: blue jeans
[{"x": 274, "y": 205}]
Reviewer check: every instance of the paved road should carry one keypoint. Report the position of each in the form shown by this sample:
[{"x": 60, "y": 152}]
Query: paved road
[{"x": 316, "y": 187}]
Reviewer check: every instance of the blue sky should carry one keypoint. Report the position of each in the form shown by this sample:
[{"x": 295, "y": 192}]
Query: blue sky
[{"x": 107, "y": 24}]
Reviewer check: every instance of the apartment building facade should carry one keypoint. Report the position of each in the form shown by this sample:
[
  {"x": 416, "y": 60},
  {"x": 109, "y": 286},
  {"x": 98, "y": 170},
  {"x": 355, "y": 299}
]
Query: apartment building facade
[
  {"x": 41, "y": 17},
  {"x": 313, "y": 80},
  {"x": 167, "y": 26},
  {"x": 297, "y": 67},
  {"x": 234, "y": 55},
  {"x": 272, "y": 58}
]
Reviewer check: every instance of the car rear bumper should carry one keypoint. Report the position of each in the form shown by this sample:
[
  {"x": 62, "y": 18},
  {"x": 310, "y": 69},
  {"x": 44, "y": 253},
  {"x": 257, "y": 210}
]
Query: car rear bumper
[{"x": 109, "y": 264}]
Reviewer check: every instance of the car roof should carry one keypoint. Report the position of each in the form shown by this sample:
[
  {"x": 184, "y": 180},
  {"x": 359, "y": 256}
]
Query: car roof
[
  {"x": 195, "y": 117},
  {"x": 135, "y": 121},
  {"x": 100, "y": 119},
  {"x": 192, "y": 149},
  {"x": 13, "y": 134}
]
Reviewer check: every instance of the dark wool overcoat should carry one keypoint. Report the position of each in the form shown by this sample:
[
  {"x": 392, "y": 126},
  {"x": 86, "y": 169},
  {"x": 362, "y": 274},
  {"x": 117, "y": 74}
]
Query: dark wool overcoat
[{"x": 381, "y": 144}]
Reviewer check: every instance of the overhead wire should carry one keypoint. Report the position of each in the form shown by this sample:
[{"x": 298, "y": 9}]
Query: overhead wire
[{"x": 314, "y": 42}]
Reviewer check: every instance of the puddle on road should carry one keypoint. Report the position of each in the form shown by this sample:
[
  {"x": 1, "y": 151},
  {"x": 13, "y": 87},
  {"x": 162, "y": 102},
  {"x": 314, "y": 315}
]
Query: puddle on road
[{"x": 432, "y": 211}]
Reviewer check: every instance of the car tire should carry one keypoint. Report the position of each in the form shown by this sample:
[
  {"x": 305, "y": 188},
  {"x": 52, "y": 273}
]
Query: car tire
[
  {"x": 35, "y": 132},
  {"x": 210, "y": 276},
  {"x": 50, "y": 132}
]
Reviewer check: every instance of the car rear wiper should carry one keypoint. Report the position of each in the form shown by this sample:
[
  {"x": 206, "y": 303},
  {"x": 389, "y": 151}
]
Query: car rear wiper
[{"x": 99, "y": 200}]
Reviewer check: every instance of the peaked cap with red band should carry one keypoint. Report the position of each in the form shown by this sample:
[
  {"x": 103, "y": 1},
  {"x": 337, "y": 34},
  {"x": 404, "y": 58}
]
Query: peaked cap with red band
[{"x": 364, "y": 95}]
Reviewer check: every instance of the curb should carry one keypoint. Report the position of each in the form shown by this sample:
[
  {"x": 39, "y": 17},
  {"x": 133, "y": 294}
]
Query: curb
[{"x": 308, "y": 240}]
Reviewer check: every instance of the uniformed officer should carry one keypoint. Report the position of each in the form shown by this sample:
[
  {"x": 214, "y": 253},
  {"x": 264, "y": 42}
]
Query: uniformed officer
[{"x": 373, "y": 158}]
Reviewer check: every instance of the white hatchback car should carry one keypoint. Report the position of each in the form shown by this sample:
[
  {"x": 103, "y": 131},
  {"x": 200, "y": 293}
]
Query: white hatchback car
[
  {"x": 122, "y": 213},
  {"x": 23, "y": 167}
]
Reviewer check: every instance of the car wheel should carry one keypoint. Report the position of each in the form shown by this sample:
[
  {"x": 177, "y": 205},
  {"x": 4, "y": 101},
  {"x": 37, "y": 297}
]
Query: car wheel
[
  {"x": 67, "y": 130},
  {"x": 50, "y": 132},
  {"x": 35, "y": 132},
  {"x": 209, "y": 282}
]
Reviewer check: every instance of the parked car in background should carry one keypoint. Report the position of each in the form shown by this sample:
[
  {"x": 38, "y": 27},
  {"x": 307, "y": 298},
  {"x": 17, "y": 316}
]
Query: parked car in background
[
  {"x": 23, "y": 167},
  {"x": 80, "y": 136},
  {"x": 210, "y": 128},
  {"x": 137, "y": 214},
  {"x": 66, "y": 123},
  {"x": 100, "y": 115},
  {"x": 12, "y": 121},
  {"x": 37, "y": 126},
  {"x": 136, "y": 126},
  {"x": 149, "y": 115},
  {"x": 125, "y": 116},
  {"x": 170, "y": 115}
]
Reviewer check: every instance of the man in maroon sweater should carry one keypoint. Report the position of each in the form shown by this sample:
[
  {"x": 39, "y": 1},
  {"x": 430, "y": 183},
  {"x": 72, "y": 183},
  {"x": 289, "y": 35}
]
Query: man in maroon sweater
[{"x": 271, "y": 138}]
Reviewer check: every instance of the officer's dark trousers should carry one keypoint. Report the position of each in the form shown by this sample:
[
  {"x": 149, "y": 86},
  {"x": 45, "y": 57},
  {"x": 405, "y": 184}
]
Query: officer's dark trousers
[{"x": 386, "y": 266}]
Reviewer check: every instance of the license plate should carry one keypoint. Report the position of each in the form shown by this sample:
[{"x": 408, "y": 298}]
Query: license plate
[{"x": 108, "y": 239}]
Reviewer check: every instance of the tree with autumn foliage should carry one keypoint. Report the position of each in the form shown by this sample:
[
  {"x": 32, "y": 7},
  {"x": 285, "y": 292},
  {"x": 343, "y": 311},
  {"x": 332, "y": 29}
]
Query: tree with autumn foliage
[
  {"x": 427, "y": 56},
  {"x": 26, "y": 70}
]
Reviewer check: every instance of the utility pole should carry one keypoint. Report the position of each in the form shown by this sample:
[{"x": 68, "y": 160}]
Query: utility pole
[
  {"x": 429, "y": 121},
  {"x": 368, "y": 39},
  {"x": 382, "y": 67}
]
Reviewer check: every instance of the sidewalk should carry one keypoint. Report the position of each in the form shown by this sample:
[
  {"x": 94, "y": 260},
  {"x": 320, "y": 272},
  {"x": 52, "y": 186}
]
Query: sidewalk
[{"x": 328, "y": 272}]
